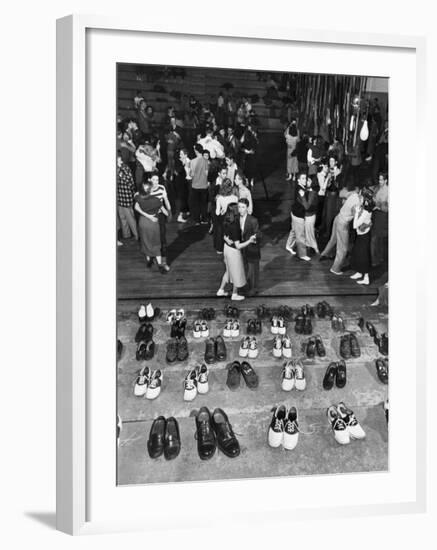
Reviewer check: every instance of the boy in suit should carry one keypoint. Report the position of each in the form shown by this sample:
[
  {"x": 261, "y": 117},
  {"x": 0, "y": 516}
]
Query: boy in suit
[{"x": 252, "y": 253}]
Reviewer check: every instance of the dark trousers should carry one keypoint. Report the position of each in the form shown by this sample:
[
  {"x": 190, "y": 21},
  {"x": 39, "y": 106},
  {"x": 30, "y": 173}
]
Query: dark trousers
[
  {"x": 199, "y": 203},
  {"x": 252, "y": 274},
  {"x": 162, "y": 219}
]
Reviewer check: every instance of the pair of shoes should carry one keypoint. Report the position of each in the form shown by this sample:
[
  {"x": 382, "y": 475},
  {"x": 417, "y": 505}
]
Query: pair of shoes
[
  {"x": 282, "y": 347},
  {"x": 303, "y": 325},
  {"x": 214, "y": 430},
  {"x": 145, "y": 350},
  {"x": 248, "y": 347},
  {"x": 293, "y": 376},
  {"x": 284, "y": 428},
  {"x": 382, "y": 369},
  {"x": 349, "y": 346},
  {"x": 144, "y": 333},
  {"x": 231, "y": 328},
  {"x": 278, "y": 325},
  {"x": 262, "y": 312},
  {"x": 148, "y": 383},
  {"x": 236, "y": 370},
  {"x": 307, "y": 311},
  {"x": 208, "y": 314},
  {"x": 178, "y": 328},
  {"x": 196, "y": 381},
  {"x": 314, "y": 345},
  {"x": 119, "y": 349},
  {"x": 221, "y": 292},
  {"x": 147, "y": 313},
  {"x": 231, "y": 311},
  {"x": 215, "y": 350},
  {"x": 344, "y": 424},
  {"x": 336, "y": 372},
  {"x": 200, "y": 329},
  {"x": 337, "y": 323},
  {"x": 254, "y": 326},
  {"x": 164, "y": 437},
  {"x": 324, "y": 310},
  {"x": 174, "y": 315},
  {"x": 285, "y": 312},
  {"x": 177, "y": 349}
]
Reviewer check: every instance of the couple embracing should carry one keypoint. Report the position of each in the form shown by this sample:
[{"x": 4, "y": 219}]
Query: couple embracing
[{"x": 241, "y": 252}]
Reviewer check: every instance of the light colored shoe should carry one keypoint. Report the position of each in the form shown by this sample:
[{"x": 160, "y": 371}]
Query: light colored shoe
[
  {"x": 305, "y": 258},
  {"x": 142, "y": 314},
  {"x": 237, "y": 297},
  {"x": 288, "y": 379},
  {"x": 274, "y": 328},
  {"x": 291, "y": 430},
  {"x": 244, "y": 347},
  {"x": 299, "y": 373},
  {"x": 235, "y": 329},
  {"x": 281, "y": 326},
  {"x": 181, "y": 219},
  {"x": 253, "y": 348},
  {"x": 335, "y": 272},
  {"x": 227, "y": 330},
  {"x": 355, "y": 429},
  {"x": 289, "y": 249},
  {"x": 142, "y": 382},
  {"x": 202, "y": 379},
  {"x": 221, "y": 292},
  {"x": 155, "y": 384},
  {"x": 364, "y": 280},
  {"x": 356, "y": 276},
  {"x": 197, "y": 329},
  {"x": 277, "y": 347},
  {"x": 204, "y": 330},
  {"x": 190, "y": 386},
  {"x": 375, "y": 303},
  {"x": 286, "y": 347},
  {"x": 339, "y": 427},
  {"x": 276, "y": 428}
]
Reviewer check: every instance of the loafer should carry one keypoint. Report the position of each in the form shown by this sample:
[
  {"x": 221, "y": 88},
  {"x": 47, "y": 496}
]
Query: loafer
[
  {"x": 182, "y": 349},
  {"x": 299, "y": 326},
  {"x": 220, "y": 349},
  {"x": 249, "y": 375},
  {"x": 330, "y": 376},
  {"x": 209, "y": 351},
  {"x": 311, "y": 348},
  {"x": 341, "y": 375},
  {"x": 338, "y": 426},
  {"x": 345, "y": 347},
  {"x": 382, "y": 370},
  {"x": 354, "y": 427},
  {"x": 354, "y": 345},
  {"x": 172, "y": 439},
  {"x": 155, "y": 443},
  {"x": 320, "y": 348},
  {"x": 372, "y": 330},
  {"x": 145, "y": 332},
  {"x": 276, "y": 429},
  {"x": 226, "y": 440},
  {"x": 291, "y": 430},
  {"x": 172, "y": 351},
  {"x": 206, "y": 438},
  {"x": 234, "y": 376}
]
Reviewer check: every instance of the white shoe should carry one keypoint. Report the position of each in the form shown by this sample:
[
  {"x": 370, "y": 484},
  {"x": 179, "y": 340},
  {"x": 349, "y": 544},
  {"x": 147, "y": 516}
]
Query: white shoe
[
  {"x": 237, "y": 297},
  {"x": 288, "y": 376},
  {"x": 277, "y": 347},
  {"x": 299, "y": 373},
  {"x": 155, "y": 384},
  {"x": 235, "y": 329},
  {"x": 119, "y": 243},
  {"x": 142, "y": 312},
  {"x": 355, "y": 429},
  {"x": 181, "y": 219},
  {"x": 197, "y": 329},
  {"x": 190, "y": 386},
  {"x": 335, "y": 272},
  {"x": 253, "y": 349},
  {"x": 150, "y": 312},
  {"x": 142, "y": 382},
  {"x": 364, "y": 280},
  {"x": 244, "y": 347},
  {"x": 375, "y": 303},
  {"x": 289, "y": 249},
  {"x": 274, "y": 326},
  {"x": 356, "y": 276},
  {"x": 281, "y": 326},
  {"x": 276, "y": 429},
  {"x": 204, "y": 330},
  {"x": 286, "y": 348},
  {"x": 305, "y": 258},
  {"x": 291, "y": 430},
  {"x": 339, "y": 427},
  {"x": 202, "y": 379},
  {"x": 221, "y": 292}
]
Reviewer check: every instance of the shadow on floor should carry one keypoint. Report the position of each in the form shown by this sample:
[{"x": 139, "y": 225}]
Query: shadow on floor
[{"x": 45, "y": 518}]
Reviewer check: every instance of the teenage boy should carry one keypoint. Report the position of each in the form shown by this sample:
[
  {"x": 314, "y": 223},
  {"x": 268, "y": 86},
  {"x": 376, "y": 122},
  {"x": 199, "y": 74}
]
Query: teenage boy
[
  {"x": 199, "y": 186},
  {"x": 252, "y": 253}
]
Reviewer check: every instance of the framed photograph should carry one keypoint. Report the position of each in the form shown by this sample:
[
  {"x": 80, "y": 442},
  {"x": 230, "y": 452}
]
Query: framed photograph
[{"x": 234, "y": 316}]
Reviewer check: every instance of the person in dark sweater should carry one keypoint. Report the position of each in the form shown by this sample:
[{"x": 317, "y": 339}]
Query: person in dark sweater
[{"x": 303, "y": 214}]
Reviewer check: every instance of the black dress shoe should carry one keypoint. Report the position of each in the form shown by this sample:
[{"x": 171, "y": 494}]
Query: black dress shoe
[
  {"x": 383, "y": 347},
  {"x": 330, "y": 375},
  {"x": 355, "y": 346},
  {"x": 234, "y": 376},
  {"x": 251, "y": 327},
  {"x": 211, "y": 314},
  {"x": 119, "y": 349},
  {"x": 345, "y": 347},
  {"x": 149, "y": 352},
  {"x": 311, "y": 348},
  {"x": 145, "y": 332},
  {"x": 226, "y": 440},
  {"x": 141, "y": 351},
  {"x": 321, "y": 310},
  {"x": 178, "y": 328},
  {"x": 220, "y": 349},
  {"x": 299, "y": 326},
  {"x": 249, "y": 375},
  {"x": 172, "y": 439},
  {"x": 172, "y": 350},
  {"x": 206, "y": 438},
  {"x": 371, "y": 329},
  {"x": 382, "y": 370},
  {"x": 210, "y": 351},
  {"x": 308, "y": 326},
  {"x": 258, "y": 326},
  {"x": 340, "y": 379},
  {"x": 182, "y": 349},
  {"x": 320, "y": 348},
  {"x": 155, "y": 443}
]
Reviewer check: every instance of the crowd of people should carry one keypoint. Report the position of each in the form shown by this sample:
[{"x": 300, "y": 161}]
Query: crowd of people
[{"x": 199, "y": 165}]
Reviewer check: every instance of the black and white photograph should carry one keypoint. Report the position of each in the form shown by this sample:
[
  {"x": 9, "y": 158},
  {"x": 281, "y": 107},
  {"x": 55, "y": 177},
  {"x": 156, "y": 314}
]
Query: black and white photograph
[{"x": 252, "y": 274}]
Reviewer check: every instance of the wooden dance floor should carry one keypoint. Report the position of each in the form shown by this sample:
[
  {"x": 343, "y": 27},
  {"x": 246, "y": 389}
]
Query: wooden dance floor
[{"x": 196, "y": 269}]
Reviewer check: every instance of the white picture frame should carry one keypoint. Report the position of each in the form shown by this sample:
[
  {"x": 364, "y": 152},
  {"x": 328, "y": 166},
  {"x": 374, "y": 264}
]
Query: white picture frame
[{"x": 74, "y": 209}]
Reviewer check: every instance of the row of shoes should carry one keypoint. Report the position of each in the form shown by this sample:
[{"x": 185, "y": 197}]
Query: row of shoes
[
  {"x": 196, "y": 381},
  {"x": 382, "y": 369},
  {"x": 200, "y": 329},
  {"x": 215, "y": 350},
  {"x": 231, "y": 328},
  {"x": 236, "y": 370},
  {"x": 282, "y": 347},
  {"x": 177, "y": 349},
  {"x": 324, "y": 310},
  {"x": 278, "y": 325},
  {"x": 349, "y": 346},
  {"x": 215, "y": 431},
  {"x": 148, "y": 313},
  {"x": 303, "y": 324},
  {"x": 380, "y": 340},
  {"x": 314, "y": 346},
  {"x": 284, "y": 428},
  {"x": 336, "y": 373},
  {"x": 148, "y": 383},
  {"x": 344, "y": 424},
  {"x": 249, "y": 347},
  {"x": 164, "y": 438},
  {"x": 293, "y": 376}
]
